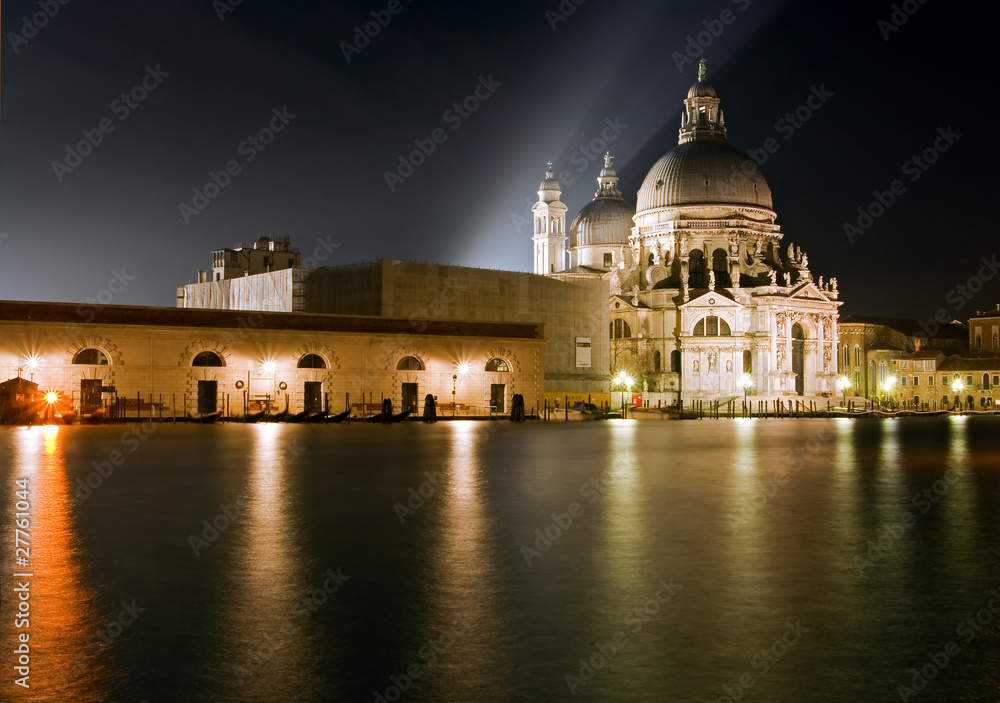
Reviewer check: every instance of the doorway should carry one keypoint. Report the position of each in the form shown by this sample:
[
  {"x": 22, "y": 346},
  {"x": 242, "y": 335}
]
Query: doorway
[
  {"x": 90, "y": 395},
  {"x": 313, "y": 397},
  {"x": 497, "y": 396},
  {"x": 409, "y": 401},
  {"x": 207, "y": 397},
  {"x": 798, "y": 359}
]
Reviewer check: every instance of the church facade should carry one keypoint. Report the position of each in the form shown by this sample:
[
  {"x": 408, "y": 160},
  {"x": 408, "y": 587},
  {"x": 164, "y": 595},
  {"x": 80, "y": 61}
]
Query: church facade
[{"x": 706, "y": 300}]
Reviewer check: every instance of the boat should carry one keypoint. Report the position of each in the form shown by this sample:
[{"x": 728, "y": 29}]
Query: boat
[
  {"x": 297, "y": 417},
  {"x": 644, "y": 413},
  {"x": 206, "y": 418},
  {"x": 583, "y": 411},
  {"x": 68, "y": 417},
  {"x": 392, "y": 418},
  {"x": 98, "y": 417},
  {"x": 340, "y": 417},
  {"x": 251, "y": 417},
  {"x": 277, "y": 417},
  {"x": 316, "y": 417}
]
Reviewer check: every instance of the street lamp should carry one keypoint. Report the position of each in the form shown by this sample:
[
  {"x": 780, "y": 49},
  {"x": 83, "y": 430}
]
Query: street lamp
[
  {"x": 462, "y": 368},
  {"x": 747, "y": 382},
  {"x": 51, "y": 398},
  {"x": 887, "y": 387},
  {"x": 845, "y": 384},
  {"x": 957, "y": 387},
  {"x": 624, "y": 381},
  {"x": 32, "y": 364}
]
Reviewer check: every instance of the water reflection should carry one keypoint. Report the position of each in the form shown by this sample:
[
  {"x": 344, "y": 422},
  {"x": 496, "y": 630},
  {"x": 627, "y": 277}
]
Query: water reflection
[
  {"x": 465, "y": 634},
  {"x": 71, "y": 655},
  {"x": 271, "y": 651}
]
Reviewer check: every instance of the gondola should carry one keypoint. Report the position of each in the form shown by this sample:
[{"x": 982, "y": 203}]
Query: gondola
[
  {"x": 98, "y": 417},
  {"x": 397, "y": 417},
  {"x": 317, "y": 417},
  {"x": 206, "y": 418},
  {"x": 340, "y": 417}
]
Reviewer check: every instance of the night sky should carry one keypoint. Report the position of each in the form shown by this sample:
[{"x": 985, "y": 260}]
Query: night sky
[{"x": 551, "y": 78}]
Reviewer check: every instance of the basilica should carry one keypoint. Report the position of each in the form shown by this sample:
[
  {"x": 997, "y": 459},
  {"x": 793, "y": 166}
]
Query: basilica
[{"x": 706, "y": 300}]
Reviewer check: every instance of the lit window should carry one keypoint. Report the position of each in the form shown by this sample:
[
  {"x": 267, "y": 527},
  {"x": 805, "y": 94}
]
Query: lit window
[
  {"x": 311, "y": 361},
  {"x": 498, "y": 366},
  {"x": 409, "y": 363},
  {"x": 207, "y": 358},
  {"x": 93, "y": 357}
]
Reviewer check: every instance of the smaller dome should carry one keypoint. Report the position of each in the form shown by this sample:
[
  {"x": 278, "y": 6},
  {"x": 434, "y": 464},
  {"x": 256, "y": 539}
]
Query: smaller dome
[
  {"x": 550, "y": 182},
  {"x": 702, "y": 89},
  {"x": 602, "y": 221}
]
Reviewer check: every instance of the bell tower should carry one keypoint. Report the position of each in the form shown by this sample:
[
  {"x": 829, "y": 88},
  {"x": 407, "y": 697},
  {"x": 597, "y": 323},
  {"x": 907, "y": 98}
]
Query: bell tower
[{"x": 549, "y": 236}]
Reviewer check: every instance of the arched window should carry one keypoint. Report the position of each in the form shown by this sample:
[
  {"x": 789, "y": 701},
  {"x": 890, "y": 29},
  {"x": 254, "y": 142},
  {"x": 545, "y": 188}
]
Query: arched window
[
  {"x": 720, "y": 264},
  {"x": 696, "y": 269},
  {"x": 409, "y": 363},
  {"x": 712, "y": 326},
  {"x": 497, "y": 365},
  {"x": 996, "y": 342},
  {"x": 857, "y": 355},
  {"x": 675, "y": 361},
  {"x": 986, "y": 381},
  {"x": 656, "y": 362},
  {"x": 620, "y": 329},
  {"x": 207, "y": 358},
  {"x": 747, "y": 361},
  {"x": 93, "y": 357},
  {"x": 312, "y": 361},
  {"x": 979, "y": 342},
  {"x": 649, "y": 260}
]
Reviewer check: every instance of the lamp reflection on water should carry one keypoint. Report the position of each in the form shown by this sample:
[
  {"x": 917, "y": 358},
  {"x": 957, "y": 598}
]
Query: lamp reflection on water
[
  {"x": 465, "y": 578},
  {"x": 66, "y": 633},
  {"x": 270, "y": 578}
]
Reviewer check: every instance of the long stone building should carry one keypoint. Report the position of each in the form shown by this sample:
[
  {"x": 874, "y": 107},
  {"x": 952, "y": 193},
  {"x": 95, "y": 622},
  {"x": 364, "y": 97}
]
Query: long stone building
[{"x": 198, "y": 361}]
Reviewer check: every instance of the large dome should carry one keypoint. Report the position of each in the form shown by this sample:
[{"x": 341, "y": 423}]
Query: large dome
[
  {"x": 704, "y": 172},
  {"x": 602, "y": 221}
]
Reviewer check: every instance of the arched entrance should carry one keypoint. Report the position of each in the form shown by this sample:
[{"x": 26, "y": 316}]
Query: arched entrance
[{"x": 798, "y": 358}]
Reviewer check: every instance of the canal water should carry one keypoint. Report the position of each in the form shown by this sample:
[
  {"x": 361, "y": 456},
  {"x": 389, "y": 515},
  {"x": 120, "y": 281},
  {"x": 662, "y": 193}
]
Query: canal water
[{"x": 752, "y": 560}]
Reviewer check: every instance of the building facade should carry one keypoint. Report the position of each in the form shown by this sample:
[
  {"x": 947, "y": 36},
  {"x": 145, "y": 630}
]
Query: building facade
[
  {"x": 704, "y": 299},
  {"x": 573, "y": 315},
  {"x": 870, "y": 345},
  {"x": 196, "y": 361},
  {"x": 928, "y": 379},
  {"x": 984, "y": 333}
]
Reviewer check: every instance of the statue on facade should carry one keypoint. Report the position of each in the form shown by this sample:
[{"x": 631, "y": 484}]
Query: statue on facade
[
  {"x": 820, "y": 283},
  {"x": 634, "y": 293},
  {"x": 711, "y": 279},
  {"x": 833, "y": 285},
  {"x": 773, "y": 275},
  {"x": 713, "y": 361},
  {"x": 696, "y": 366}
]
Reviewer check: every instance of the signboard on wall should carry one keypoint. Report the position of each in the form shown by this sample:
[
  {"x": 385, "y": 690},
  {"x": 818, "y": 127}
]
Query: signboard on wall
[{"x": 583, "y": 352}]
